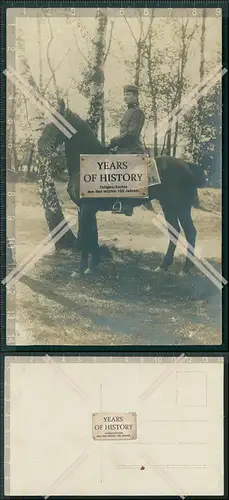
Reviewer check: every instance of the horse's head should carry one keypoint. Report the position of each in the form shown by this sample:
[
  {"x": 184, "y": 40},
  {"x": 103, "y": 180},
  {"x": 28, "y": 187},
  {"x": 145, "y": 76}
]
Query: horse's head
[
  {"x": 54, "y": 132},
  {"x": 69, "y": 128}
]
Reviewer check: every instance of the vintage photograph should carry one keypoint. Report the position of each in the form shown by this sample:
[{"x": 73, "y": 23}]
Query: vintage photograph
[{"x": 114, "y": 176}]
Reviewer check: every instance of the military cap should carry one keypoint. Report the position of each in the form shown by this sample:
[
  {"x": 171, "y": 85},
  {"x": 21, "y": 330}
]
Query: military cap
[{"x": 131, "y": 88}]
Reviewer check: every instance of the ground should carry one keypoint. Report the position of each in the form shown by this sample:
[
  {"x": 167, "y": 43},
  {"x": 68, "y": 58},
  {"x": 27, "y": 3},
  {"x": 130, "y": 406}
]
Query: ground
[{"x": 126, "y": 304}]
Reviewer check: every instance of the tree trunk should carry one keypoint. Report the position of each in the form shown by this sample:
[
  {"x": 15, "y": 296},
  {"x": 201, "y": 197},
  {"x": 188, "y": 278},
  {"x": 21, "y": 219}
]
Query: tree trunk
[
  {"x": 12, "y": 160},
  {"x": 153, "y": 89},
  {"x": 103, "y": 135},
  {"x": 97, "y": 79},
  {"x": 202, "y": 73},
  {"x": 29, "y": 158},
  {"x": 202, "y": 45},
  {"x": 169, "y": 141},
  {"x": 47, "y": 190},
  {"x": 185, "y": 40},
  {"x": 53, "y": 212},
  {"x": 138, "y": 64},
  {"x": 175, "y": 138},
  {"x": 155, "y": 143},
  {"x": 40, "y": 55}
]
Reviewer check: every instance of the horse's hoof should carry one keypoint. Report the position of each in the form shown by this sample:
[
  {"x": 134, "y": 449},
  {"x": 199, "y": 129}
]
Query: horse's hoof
[
  {"x": 88, "y": 271},
  {"x": 74, "y": 274},
  {"x": 183, "y": 273},
  {"x": 159, "y": 270}
]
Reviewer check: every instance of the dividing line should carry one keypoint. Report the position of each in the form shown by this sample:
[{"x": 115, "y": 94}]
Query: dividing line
[{"x": 165, "y": 476}]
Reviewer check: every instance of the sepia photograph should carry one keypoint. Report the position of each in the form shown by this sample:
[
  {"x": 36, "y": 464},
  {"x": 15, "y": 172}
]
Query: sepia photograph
[{"x": 114, "y": 176}]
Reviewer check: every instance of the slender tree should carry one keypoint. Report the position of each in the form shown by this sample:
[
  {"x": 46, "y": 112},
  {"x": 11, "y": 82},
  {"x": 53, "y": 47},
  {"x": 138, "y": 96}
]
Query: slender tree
[
  {"x": 186, "y": 37},
  {"x": 153, "y": 87},
  {"x": 140, "y": 42},
  {"x": 200, "y": 105},
  {"x": 52, "y": 208},
  {"x": 96, "y": 102}
]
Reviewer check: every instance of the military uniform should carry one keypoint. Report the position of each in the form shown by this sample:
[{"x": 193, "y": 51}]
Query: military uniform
[
  {"x": 130, "y": 129},
  {"x": 129, "y": 141}
]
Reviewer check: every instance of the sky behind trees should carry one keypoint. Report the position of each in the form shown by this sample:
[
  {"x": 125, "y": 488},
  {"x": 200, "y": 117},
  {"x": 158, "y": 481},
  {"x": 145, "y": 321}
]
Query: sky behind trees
[{"x": 71, "y": 45}]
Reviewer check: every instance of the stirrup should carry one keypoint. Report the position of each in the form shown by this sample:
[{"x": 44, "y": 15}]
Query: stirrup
[{"x": 117, "y": 207}]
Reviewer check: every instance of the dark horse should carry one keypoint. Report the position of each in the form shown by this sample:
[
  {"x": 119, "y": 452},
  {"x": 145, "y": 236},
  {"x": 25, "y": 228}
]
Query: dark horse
[{"x": 176, "y": 193}]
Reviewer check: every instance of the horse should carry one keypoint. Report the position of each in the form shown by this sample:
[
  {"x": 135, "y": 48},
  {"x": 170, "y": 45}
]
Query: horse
[{"x": 176, "y": 193}]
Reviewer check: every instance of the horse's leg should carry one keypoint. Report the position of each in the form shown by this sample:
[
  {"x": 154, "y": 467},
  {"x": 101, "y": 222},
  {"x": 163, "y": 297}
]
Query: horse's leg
[
  {"x": 186, "y": 221},
  {"x": 95, "y": 254},
  {"x": 82, "y": 235},
  {"x": 171, "y": 218},
  {"x": 88, "y": 237},
  {"x": 78, "y": 214}
]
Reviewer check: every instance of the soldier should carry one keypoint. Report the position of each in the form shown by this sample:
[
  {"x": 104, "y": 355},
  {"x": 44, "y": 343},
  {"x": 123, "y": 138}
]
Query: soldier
[{"x": 129, "y": 139}]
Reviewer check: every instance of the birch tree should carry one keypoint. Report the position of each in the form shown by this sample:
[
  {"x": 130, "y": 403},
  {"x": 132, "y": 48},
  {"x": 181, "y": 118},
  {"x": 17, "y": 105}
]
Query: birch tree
[
  {"x": 200, "y": 105},
  {"x": 186, "y": 36},
  {"x": 52, "y": 208},
  {"x": 140, "y": 42},
  {"x": 12, "y": 160},
  {"x": 96, "y": 103},
  {"x": 97, "y": 53},
  {"x": 153, "y": 88}
]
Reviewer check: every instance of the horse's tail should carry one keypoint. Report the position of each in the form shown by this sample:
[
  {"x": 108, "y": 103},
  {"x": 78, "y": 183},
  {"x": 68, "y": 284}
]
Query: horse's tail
[{"x": 198, "y": 174}]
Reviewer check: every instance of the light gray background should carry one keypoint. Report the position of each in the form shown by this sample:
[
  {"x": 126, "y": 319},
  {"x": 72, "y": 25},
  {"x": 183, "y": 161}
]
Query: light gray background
[{"x": 49, "y": 406}]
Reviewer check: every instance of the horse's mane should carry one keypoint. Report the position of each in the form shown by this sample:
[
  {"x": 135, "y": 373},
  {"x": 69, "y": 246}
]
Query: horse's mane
[
  {"x": 76, "y": 121},
  {"x": 72, "y": 117},
  {"x": 86, "y": 133}
]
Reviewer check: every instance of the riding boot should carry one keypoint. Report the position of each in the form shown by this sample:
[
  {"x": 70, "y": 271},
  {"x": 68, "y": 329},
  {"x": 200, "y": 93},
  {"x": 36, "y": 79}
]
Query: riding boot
[
  {"x": 95, "y": 258},
  {"x": 83, "y": 263},
  {"x": 127, "y": 209}
]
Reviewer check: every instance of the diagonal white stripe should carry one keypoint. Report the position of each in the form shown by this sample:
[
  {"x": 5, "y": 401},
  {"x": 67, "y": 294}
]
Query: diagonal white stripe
[
  {"x": 43, "y": 101},
  {"x": 29, "y": 90},
  {"x": 195, "y": 91},
  {"x": 186, "y": 100},
  {"x": 15, "y": 80},
  {"x": 190, "y": 100},
  {"x": 10, "y": 76},
  {"x": 67, "y": 378},
  {"x": 197, "y": 263},
  {"x": 79, "y": 461},
  {"x": 202, "y": 93},
  {"x": 165, "y": 476},
  {"x": 40, "y": 254},
  {"x": 161, "y": 377},
  {"x": 35, "y": 251}
]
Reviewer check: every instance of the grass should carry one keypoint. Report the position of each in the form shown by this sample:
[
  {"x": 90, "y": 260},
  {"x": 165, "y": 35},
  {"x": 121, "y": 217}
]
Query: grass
[{"x": 126, "y": 303}]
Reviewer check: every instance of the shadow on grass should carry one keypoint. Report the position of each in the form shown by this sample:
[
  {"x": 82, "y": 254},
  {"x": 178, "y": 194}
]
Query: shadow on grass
[{"x": 126, "y": 297}]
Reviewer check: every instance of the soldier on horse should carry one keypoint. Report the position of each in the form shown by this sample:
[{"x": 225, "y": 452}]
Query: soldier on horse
[{"x": 129, "y": 141}]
